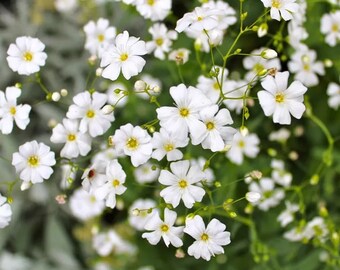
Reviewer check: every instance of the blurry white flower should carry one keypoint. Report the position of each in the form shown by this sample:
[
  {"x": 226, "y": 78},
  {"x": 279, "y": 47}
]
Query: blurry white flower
[
  {"x": 84, "y": 205},
  {"x": 287, "y": 216},
  {"x": 155, "y": 10},
  {"x": 76, "y": 142},
  {"x": 147, "y": 83},
  {"x": 233, "y": 92},
  {"x": 94, "y": 176},
  {"x": 26, "y": 56},
  {"x": 87, "y": 109},
  {"x": 281, "y": 101},
  {"x": 123, "y": 56},
  {"x": 180, "y": 184},
  {"x": 281, "y": 8},
  {"x": 281, "y": 135},
  {"x": 14, "y": 261},
  {"x": 164, "y": 229},
  {"x": 253, "y": 197},
  {"x": 10, "y": 111},
  {"x": 33, "y": 162},
  {"x": 180, "y": 56},
  {"x": 98, "y": 36},
  {"x": 333, "y": 91},
  {"x": 330, "y": 26},
  {"x": 5, "y": 212},
  {"x": 208, "y": 240},
  {"x": 65, "y": 5},
  {"x": 146, "y": 173},
  {"x": 139, "y": 213}
]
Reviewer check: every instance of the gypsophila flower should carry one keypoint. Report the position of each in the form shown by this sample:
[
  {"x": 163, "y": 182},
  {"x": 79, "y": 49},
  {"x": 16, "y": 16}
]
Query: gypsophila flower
[
  {"x": 330, "y": 26},
  {"x": 65, "y": 5},
  {"x": 180, "y": 184},
  {"x": 281, "y": 101},
  {"x": 155, "y": 10},
  {"x": 333, "y": 91},
  {"x": 5, "y": 212},
  {"x": 94, "y": 176},
  {"x": 85, "y": 206},
  {"x": 123, "y": 56},
  {"x": 98, "y": 36},
  {"x": 164, "y": 229},
  {"x": 113, "y": 184},
  {"x": 87, "y": 108},
  {"x": 140, "y": 213},
  {"x": 180, "y": 56},
  {"x": 33, "y": 162},
  {"x": 281, "y": 8},
  {"x": 76, "y": 142},
  {"x": 208, "y": 240},
  {"x": 134, "y": 142},
  {"x": 287, "y": 216},
  {"x": 26, "y": 56},
  {"x": 146, "y": 173},
  {"x": 11, "y": 112}
]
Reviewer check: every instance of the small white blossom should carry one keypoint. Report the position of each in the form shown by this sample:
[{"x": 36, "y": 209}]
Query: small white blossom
[
  {"x": 287, "y": 216},
  {"x": 146, "y": 173},
  {"x": 5, "y": 212},
  {"x": 208, "y": 240},
  {"x": 281, "y": 8},
  {"x": 180, "y": 56},
  {"x": 155, "y": 10},
  {"x": 65, "y": 5},
  {"x": 333, "y": 91},
  {"x": 330, "y": 26}
]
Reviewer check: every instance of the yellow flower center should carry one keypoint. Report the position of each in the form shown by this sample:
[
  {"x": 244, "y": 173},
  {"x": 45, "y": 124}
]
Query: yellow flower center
[
  {"x": 184, "y": 112},
  {"x": 306, "y": 67},
  {"x": 168, "y": 147},
  {"x": 199, "y": 18},
  {"x": 216, "y": 86},
  {"x": 93, "y": 199},
  {"x": 90, "y": 114},
  {"x": 71, "y": 137},
  {"x": 258, "y": 68},
  {"x": 279, "y": 98},
  {"x": 164, "y": 228},
  {"x": 101, "y": 37},
  {"x": 33, "y": 161},
  {"x": 124, "y": 57},
  {"x": 151, "y": 2},
  {"x": 204, "y": 237},
  {"x": 241, "y": 144},
  {"x": 183, "y": 183},
  {"x": 335, "y": 28},
  {"x": 276, "y": 3},
  {"x": 28, "y": 56},
  {"x": 132, "y": 143},
  {"x": 13, "y": 110},
  {"x": 115, "y": 183},
  {"x": 210, "y": 125},
  {"x": 159, "y": 41}
]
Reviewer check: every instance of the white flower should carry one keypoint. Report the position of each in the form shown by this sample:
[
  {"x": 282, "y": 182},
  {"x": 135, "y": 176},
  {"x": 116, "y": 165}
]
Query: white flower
[
  {"x": 281, "y": 135},
  {"x": 146, "y": 173},
  {"x": 285, "y": 8},
  {"x": 270, "y": 196},
  {"x": 217, "y": 135},
  {"x": 76, "y": 143},
  {"x": 65, "y": 5},
  {"x": 199, "y": 19},
  {"x": 140, "y": 213},
  {"x": 33, "y": 162},
  {"x": 113, "y": 185},
  {"x": 279, "y": 101},
  {"x": 98, "y": 36},
  {"x": 26, "y": 56},
  {"x": 303, "y": 63},
  {"x": 208, "y": 240},
  {"x": 10, "y": 111},
  {"x": 330, "y": 26},
  {"x": 105, "y": 243},
  {"x": 287, "y": 216},
  {"x": 5, "y": 212},
  {"x": 87, "y": 109},
  {"x": 164, "y": 229},
  {"x": 155, "y": 10},
  {"x": 185, "y": 116},
  {"x": 181, "y": 184},
  {"x": 333, "y": 91},
  {"x": 166, "y": 143},
  {"x": 180, "y": 56},
  {"x": 94, "y": 176},
  {"x": 161, "y": 40},
  {"x": 243, "y": 145},
  {"x": 123, "y": 56},
  {"x": 85, "y": 206},
  {"x": 135, "y": 142}
]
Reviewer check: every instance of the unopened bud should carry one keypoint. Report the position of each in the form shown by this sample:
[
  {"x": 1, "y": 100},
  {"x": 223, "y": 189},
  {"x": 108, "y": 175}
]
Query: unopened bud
[
  {"x": 253, "y": 197},
  {"x": 262, "y": 30},
  {"x": 18, "y": 85},
  {"x": 244, "y": 131},
  {"x": 268, "y": 54},
  {"x": 63, "y": 92},
  {"x": 25, "y": 185},
  {"x": 92, "y": 60},
  {"x": 314, "y": 180},
  {"x": 61, "y": 198},
  {"x": 135, "y": 212},
  {"x": 140, "y": 85},
  {"x": 99, "y": 72},
  {"x": 256, "y": 175},
  {"x": 55, "y": 96},
  {"x": 328, "y": 63},
  {"x": 107, "y": 109},
  {"x": 156, "y": 89},
  {"x": 180, "y": 253},
  {"x": 52, "y": 123}
]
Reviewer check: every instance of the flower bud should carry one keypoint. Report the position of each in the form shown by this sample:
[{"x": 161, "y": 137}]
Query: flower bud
[
  {"x": 262, "y": 30},
  {"x": 63, "y": 92},
  {"x": 55, "y": 96},
  {"x": 107, "y": 109},
  {"x": 99, "y": 72},
  {"x": 268, "y": 54},
  {"x": 253, "y": 197},
  {"x": 140, "y": 85}
]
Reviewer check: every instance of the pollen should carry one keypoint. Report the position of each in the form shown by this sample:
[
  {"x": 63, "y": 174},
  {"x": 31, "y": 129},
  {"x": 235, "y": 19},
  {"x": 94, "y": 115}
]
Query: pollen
[
  {"x": 71, "y": 137},
  {"x": 210, "y": 125},
  {"x": 184, "y": 112},
  {"x": 168, "y": 147},
  {"x": 124, "y": 57},
  {"x": 12, "y": 110},
  {"x": 33, "y": 161},
  {"x": 276, "y": 4},
  {"x": 182, "y": 183},
  {"x": 132, "y": 143},
  {"x": 116, "y": 183},
  {"x": 279, "y": 98},
  {"x": 204, "y": 237},
  {"x": 164, "y": 228},
  {"x": 90, "y": 114},
  {"x": 28, "y": 56}
]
